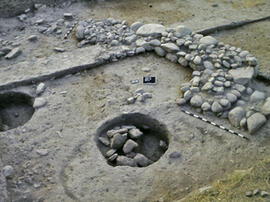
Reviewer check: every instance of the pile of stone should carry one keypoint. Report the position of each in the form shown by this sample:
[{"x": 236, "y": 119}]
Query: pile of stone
[
  {"x": 109, "y": 31},
  {"x": 123, "y": 147},
  {"x": 7, "y": 51},
  {"x": 222, "y": 74},
  {"x": 58, "y": 28},
  {"x": 140, "y": 95}
]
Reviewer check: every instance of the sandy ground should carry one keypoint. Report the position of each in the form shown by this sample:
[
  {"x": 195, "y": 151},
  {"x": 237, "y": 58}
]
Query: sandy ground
[{"x": 74, "y": 169}]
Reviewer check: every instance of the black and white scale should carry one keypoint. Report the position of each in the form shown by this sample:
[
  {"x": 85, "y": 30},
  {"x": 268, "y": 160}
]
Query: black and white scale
[{"x": 214, "y": 124}]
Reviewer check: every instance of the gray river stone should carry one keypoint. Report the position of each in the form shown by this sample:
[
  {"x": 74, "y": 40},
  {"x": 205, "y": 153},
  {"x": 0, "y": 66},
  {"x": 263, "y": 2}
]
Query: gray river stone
[
  {"x": 118, "y": 141},
  {"x": 181, "y": 31},
  {"x": 196, "y": 101},
  {"x": 153, "y": 30},
  {"x": 136, "y": 25},
  {"x": 170, "y": 47},
  {"x": 236, "y": 115},
  {"x": 129, "y": 146},
  {"x": 242, "y": 75},
  {"x": 125, "y": 161},
  {"x": 255, "y": 121},
  {"x": 208, "y": 40},
  {"x": 257, "y": 96},
  {"x": 216, "y": 107},
  {"x": 265, "y": 109}
]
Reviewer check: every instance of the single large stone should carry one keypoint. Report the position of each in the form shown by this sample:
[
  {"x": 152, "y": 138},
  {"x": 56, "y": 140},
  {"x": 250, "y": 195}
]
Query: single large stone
[
  {"x": 183, "y": 62},
  {"x": 110, "y": 152},
  {"x": 224, "y": 102},
  {"x": 181, "y": 31},
  {"x": 187, "y": 95},
  {"x": 207, "y": 86},
  {"x": 252, "y": 61},
  {"x": 216, "y": 107},
  {"x": 125, "y": 161},
  {"x": 257, "y": 96},
  {"x": 170, "y": 47},
  {"x": 129, "y": 146},
  {"x": 240, "y": 88},
  {"x": 242, "y": 75},
  {"x": 40, "y": 88},
  {"x": 155, "y": 43},
  {"x": 154, "y": 30},
  {"x": 266, "y": 107},
  {"x": 255, "y": 121},
  {"x": 13, "y": 53},
  {"x": 80, "y": 32},
  {"x": 39, "y": 102},
  {"x": 206, "y": 106},
  {"x": 181, "y": 101},
  {"x": 160, "y": 52},
  {"x": 196, "y": 101},
  {"x": 208, "y": 65},
  {"x": 197, "y": 60},
  {"x": 130, "y": 39},
  {"x": 136, "y": 25},
  {"x": 118, "y": 140},
  {"x": 236, "y": 115},
  {"x": 236, "y": 93},
  {"x": 135, "y": 133},
  {"x": 142, "y": 160},
  {"x": 171, "y": 57},
  {"x": 142, "y": 43},
  {"x": 104, "y": 140},
  {"x": 208, "y": 40},
  {"x": 111, "y": 133},
  {"x": 243, "y": 54}
]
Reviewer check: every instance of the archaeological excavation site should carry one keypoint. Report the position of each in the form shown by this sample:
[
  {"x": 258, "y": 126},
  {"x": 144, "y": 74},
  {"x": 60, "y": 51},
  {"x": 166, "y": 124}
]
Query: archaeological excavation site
[{"x": 134, "y": 101}]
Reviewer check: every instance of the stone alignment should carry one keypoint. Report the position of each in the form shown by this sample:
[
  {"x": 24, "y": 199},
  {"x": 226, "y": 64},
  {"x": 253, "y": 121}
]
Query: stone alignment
[{"x": 222, "y": 74}]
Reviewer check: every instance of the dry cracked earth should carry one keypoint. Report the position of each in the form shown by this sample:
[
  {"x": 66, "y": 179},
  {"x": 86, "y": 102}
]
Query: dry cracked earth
[{"x": 49, "y": 147}]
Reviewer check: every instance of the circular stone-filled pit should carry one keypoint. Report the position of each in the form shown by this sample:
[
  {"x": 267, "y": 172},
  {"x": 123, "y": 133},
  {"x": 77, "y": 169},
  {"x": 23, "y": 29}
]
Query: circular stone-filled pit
[
  {"x": 135, "y": 140},
  {"x": 16, "y": 109}
]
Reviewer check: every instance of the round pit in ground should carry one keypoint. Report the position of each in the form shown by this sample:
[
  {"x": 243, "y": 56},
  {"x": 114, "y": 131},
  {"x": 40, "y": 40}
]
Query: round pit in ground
[
  {"x": 133, "y": 139},
  {"x": 16, "y": 109}
]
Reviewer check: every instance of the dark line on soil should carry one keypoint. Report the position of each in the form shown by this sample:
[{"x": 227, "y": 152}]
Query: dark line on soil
[
  {"x": 99, "y": 61},
  {"x": 232, "y": 25},
  {"x": 53, "y": 75}
]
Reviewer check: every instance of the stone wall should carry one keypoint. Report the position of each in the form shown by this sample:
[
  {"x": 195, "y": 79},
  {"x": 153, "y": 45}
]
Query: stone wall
[{"x": 9, "y": 8}]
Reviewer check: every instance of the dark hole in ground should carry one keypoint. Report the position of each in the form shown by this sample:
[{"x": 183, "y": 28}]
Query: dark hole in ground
[
  {"x": 151, "y": 144},
  {"x": 15, "y": 109}
]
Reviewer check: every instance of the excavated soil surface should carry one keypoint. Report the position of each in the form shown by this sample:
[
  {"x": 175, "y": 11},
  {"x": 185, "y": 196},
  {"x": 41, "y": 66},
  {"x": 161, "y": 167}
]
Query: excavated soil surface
[{"x": 54, "y": 153}]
